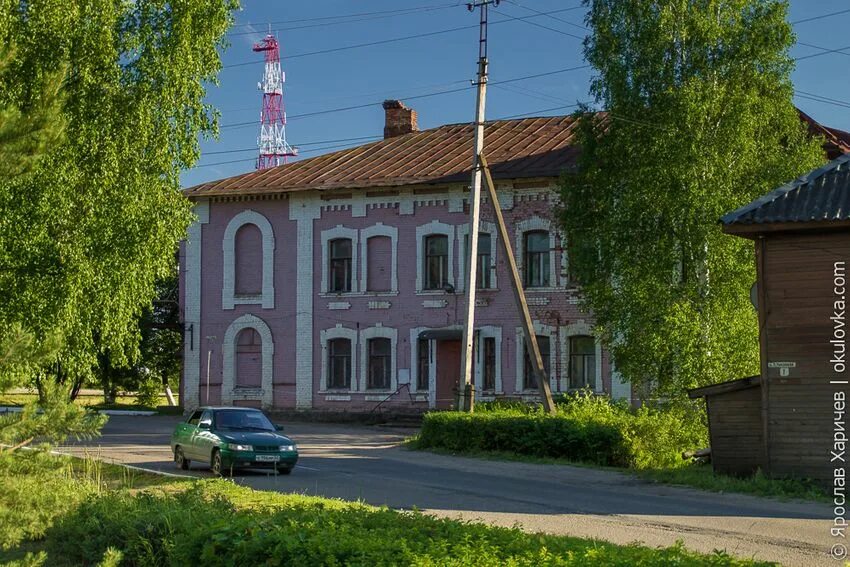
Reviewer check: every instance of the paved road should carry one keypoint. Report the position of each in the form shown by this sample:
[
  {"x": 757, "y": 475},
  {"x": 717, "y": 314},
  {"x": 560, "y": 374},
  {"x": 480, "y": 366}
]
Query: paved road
[{"x": 357, "y": 462}]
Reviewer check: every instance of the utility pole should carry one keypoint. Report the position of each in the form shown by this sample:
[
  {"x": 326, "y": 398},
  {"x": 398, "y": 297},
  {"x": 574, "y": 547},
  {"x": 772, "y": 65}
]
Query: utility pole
[{"x": 467, "y": 394}]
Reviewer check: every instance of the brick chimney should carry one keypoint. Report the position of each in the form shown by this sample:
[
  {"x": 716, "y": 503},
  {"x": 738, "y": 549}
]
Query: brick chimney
[{"x": 398, "y": 119}]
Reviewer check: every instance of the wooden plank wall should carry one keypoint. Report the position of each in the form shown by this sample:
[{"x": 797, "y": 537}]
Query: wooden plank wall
[
  {"x": 737, "y": 446},
  {"x": 798, "y": 280}
]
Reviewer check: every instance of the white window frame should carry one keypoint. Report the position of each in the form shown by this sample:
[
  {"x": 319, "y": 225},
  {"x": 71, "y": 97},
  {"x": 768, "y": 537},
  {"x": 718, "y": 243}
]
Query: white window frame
[
  {"x": 541, "y": 330},
  {"x": 229, "y": 298},
  {"x": 378, "y": 229},
  {"x": 229, "y": 391},
  {"x": 433, "y": 228},
  {"x": 334, "y": 233},
  {"x": 432, "y": 364},
  {"x": 488, "y": 331},
  {"x": 573, "y": 330},
  {"x": 555, "y": 259},
  {"x": 338, "y": 332},
  {"x": 463, "y": 232},
  {"x": 378, "y": 332}
]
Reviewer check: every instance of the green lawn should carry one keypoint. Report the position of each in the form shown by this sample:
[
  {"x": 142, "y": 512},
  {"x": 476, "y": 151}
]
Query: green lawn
[
  {"x": 63, "y": 511},
  {"x": 92, "y": 401}
]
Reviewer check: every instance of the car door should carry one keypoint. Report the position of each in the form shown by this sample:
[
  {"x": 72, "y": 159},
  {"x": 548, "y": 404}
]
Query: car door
[
  {"x": 184, "y": 432},
  {"x": 203, "y": 438}
]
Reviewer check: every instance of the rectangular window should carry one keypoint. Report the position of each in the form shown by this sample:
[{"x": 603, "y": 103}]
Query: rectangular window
[
  {"x": 379, "y": 364},
  {"x": 340, "y": 265},
  {"x": 582, "y": 362},
  {"x": 379, "y": 257},
  {"x": 536, "y": 256},
  {"x": 484, "y": 260},
  {"x": 529, "y": 381},
  {"x": 489, "y": 363},
  {"x": 436, "y": 261},
  {"x": 423, "y": 371},
  {"x": 339, "y": 364}
]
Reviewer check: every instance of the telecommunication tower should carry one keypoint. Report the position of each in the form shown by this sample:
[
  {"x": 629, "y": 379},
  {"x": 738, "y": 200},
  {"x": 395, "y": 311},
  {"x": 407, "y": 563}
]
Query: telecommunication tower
[{"x": 274, "y": 149}]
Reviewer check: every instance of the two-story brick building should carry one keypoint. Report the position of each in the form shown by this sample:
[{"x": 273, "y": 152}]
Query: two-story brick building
[{"x": 336, "y": 282}]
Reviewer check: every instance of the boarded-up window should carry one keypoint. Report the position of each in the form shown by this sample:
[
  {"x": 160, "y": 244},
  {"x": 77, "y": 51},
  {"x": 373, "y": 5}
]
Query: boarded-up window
[
  {"x": 249, "y": 367},
  {"x": 379, "y": 257},
  {"x": 249, "y": 260}
]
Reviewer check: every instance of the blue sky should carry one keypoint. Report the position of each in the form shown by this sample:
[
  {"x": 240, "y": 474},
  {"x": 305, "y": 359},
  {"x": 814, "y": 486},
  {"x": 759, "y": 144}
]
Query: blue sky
[{"x": 341, "y": 78}]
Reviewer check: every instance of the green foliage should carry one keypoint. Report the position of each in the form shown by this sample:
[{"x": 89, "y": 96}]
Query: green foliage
[
  {"x": 699, "y": 121},
  {"x": 90, "y": 228},
  {"x": 219, "y": 523},
  {"x": 587, "y": 428},
  {"x": 49, "y": 421},
  {"x": 149, "y": 392}
]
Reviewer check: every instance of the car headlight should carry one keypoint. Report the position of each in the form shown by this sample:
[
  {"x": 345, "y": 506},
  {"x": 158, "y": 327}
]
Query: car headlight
[
  {"x": 287, "y": 448},
  {"x": 238, "y": 447}
]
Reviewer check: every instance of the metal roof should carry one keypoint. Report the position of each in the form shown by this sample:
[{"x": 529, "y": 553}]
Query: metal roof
[
  {"x": 820, "y": 195},
  {"x": 525, "y": 148}
]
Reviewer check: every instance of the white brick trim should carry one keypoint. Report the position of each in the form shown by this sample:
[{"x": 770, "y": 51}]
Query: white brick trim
[
  {"x": 229, "y": 391},
  {"x": 462, "y": 233},
  {"x": 375, "y": 332},
  {"x": 192, "y": 308},
  {"x": 338, "y": 231},
  {"x": 338, "y": 332},
  {"x": 580, "y": 328},
  {"x": 378, "y": 229},
  {"x": 228, "y": 296},
  {"x": 538, "y": 223},
  {"x": 423, "y": 230},
  {"x": 542, "y": 330},
  {"x": 304, "y": 209},
  {"x": 485, "y": 332}
]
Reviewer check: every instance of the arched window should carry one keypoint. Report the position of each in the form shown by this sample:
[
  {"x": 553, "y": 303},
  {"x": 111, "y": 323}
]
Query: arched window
[
  {"x": 436, "y": 267},
  {"x": 529, "y": 380},
  {"x": 339, "y": 364},
  {"x": 380, "y": 367},
  {"x": 249, "y": 368},
  {"x": 536, "y": 258},
  {"x": 582, "y": 362},
  {"x": 339, "y": 268},
  {"x": 249, "y": 260}
]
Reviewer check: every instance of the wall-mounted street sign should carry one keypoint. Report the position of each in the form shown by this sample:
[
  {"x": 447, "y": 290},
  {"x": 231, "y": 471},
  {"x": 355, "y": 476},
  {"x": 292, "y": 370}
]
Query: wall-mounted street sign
[{"x": 784, "y": 367}]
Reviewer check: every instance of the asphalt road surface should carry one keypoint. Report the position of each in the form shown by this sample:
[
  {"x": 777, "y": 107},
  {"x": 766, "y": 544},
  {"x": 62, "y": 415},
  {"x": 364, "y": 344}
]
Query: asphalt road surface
[{"x": 358, "y": 462}]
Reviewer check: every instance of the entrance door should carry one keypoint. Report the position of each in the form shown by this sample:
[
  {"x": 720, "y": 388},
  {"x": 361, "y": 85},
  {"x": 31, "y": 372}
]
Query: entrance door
[{"x": 448, "y": 372}]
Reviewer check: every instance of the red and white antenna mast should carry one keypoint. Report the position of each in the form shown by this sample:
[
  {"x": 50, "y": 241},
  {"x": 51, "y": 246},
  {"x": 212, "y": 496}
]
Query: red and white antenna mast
[{"x": 272, "y": 141}]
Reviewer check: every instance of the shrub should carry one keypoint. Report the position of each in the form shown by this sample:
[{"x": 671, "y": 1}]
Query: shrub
[
  {"x": 148, "y": 392},
  {"x": 587, "y": 428}
]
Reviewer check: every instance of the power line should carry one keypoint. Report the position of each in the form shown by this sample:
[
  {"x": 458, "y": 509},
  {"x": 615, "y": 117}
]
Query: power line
[
  {"x": 824, "y": 51},
  {"x": 323, "y": 148},
  {"x": 397, "y": 39},
  {"x": 412, "y": 8},
  {"x": 254, "y": 149},
  {"x": 408, "y": 12},
  {"x": 449, "y": 91},
  {"x": 556, "y": 18},
  {"x": 820, "y": 17}
]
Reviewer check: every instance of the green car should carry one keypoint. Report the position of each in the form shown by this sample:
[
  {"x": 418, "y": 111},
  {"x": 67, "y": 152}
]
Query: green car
[{"x": 231, "y": 438}]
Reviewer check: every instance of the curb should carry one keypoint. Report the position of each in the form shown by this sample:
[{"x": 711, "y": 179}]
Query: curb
[{"x": 17, "y": 409}]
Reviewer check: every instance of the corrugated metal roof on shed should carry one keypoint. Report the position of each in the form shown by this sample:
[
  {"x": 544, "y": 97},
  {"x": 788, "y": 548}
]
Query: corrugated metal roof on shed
[
  {"x": 526, "y": 148},
  {"x": 821, "y": 195}
]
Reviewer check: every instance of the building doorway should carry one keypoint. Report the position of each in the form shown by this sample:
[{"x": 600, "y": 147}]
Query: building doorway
[{"x": 448, "y": 361}]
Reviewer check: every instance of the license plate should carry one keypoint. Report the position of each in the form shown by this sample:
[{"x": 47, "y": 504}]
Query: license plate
[{"x": 268, "y": 458}]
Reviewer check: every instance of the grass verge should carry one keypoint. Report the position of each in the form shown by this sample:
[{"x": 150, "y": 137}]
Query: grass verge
[
  {"x": 93, "y": 401},
  {"x": 54, "y": 511}
]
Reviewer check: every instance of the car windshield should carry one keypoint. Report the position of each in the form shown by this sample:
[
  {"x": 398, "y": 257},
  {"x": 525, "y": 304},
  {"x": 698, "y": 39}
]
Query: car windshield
[{"x": 242, "y": 419}]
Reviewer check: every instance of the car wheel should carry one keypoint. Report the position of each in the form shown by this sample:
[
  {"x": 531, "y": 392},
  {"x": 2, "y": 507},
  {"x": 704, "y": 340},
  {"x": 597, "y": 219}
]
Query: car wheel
[
  {"x": 284, "y": 470},
  {"x": 180, "y": 459},
  {"x": 215, "y": 463}
]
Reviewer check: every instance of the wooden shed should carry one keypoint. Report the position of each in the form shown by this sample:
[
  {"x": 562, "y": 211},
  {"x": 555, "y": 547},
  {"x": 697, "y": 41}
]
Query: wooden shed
[{"x": 801, "y": 233}]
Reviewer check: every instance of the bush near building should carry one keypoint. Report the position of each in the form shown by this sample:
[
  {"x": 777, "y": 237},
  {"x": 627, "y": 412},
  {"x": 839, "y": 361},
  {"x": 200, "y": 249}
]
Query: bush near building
[{"x": 587, "y": 428}]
